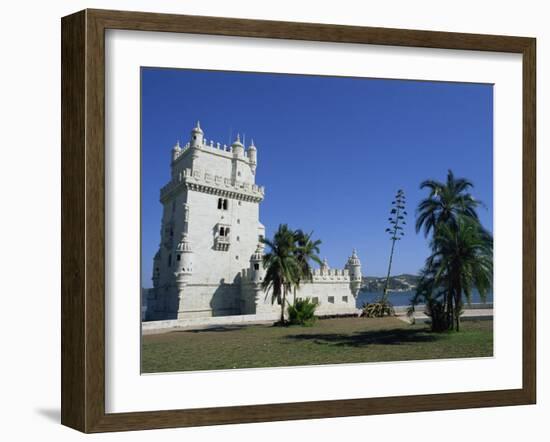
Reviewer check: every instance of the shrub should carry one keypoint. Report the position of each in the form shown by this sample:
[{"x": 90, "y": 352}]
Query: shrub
[
  {"x": 302, "y": 312},
  {"x": 378, "y": 309}
]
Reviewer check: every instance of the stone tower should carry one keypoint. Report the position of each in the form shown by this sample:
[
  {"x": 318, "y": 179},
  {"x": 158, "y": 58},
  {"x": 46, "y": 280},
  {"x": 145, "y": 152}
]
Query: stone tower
[{"x": 210, "y": 229}]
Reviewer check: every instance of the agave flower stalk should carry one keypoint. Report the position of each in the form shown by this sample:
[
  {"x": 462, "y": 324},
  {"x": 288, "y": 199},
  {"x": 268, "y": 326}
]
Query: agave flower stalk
[{"x": 395, "y": 230}]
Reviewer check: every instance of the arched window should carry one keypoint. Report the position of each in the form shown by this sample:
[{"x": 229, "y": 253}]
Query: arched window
[
  {"x": 220, "y": 203},
  {"x": 222, "y": 231},
  {"x": 225, "y": 204}
]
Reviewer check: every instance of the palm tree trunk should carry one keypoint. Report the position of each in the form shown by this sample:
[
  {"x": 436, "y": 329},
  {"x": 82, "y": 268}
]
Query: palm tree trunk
[
  {"x": 283, "y": 301},
  {"x": 450, "y": 311},
  {"x": 458, "y": 305}
]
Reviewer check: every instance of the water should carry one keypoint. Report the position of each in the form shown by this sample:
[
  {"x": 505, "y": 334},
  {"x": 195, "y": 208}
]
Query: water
[{"x": 403, "y": 298}]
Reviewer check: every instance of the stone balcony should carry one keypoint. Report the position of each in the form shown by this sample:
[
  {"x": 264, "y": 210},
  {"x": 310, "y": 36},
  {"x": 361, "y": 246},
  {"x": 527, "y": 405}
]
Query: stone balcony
[{"x": 222, "y": 243}]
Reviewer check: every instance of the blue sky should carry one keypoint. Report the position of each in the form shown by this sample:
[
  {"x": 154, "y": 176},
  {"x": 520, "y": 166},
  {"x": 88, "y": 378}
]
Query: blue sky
[{"x": 332, "y": 151}]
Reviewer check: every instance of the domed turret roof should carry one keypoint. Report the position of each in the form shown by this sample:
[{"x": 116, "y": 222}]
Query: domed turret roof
[
  {"x": 237, "y": 142},
  {"x": 177, "y": 147},
  {"x": 197, "y": 128},
  {"x": 252, "y": 145},
  {"x": 354, "y": 259}
]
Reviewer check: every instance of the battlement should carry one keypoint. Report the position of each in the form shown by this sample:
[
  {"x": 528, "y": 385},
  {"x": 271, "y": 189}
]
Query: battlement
[
  {"x": 319, "y": 275},
  {"x": 208, "y": 182},
  {"x": 328, "y": 275},
  {"x": 209, "y": 146}
]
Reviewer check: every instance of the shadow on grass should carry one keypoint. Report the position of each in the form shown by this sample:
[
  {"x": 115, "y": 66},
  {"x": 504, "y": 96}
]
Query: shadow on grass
[
  {"x": 214, "y": 328},
  {"x": 363, "y": 339}
]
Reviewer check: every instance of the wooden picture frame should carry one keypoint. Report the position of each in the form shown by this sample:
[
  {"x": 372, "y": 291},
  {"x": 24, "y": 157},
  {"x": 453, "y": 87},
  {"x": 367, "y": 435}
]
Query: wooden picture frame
[{"x": 83, "y": 220}]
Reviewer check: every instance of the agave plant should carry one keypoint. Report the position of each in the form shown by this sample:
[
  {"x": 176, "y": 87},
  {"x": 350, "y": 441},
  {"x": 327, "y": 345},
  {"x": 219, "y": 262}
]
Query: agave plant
[{"x": 378, "y": 309}]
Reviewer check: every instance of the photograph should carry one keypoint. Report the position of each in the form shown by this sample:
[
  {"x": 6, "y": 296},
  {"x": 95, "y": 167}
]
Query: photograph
[{"x": 303, "y": 220}]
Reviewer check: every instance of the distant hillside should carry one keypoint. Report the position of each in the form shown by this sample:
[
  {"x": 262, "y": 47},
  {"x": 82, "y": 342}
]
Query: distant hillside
[{"x": 398, "y": 283}]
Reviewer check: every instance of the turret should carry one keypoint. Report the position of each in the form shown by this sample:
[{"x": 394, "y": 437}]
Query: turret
[
  {"x": 257, "y": 270},
  {"x": 252, "y": 157},
  {"x": 237, "y": 147},
  {"x": 184, "y": 263},
  {"x": 354, "y": 267},
  {"x": 324, "y": 267},
  {"x": 156, "y": 269},
  {"x": 176, "y": 151},
  {"x": 197, "y": 136}
]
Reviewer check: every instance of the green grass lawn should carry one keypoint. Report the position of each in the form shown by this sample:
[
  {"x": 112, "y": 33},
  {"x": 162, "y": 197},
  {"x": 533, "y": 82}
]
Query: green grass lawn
[{"x": 329, "y": 341}]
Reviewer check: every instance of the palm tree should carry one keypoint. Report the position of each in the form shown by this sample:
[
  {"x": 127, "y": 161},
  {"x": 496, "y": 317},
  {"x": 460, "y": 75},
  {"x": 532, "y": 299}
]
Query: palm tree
[
  {"x": 306, "y": 250},
  {"x": 435, "y": 296},
  {"x": 445, "y": 203},
  {"x": 461, "y": 260},
  {"x": 282, "y": 268}
]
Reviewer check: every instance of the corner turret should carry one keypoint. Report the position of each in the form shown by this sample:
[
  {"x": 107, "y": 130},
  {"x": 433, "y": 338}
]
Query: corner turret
[
  {"x": 184, "y": 263},
  {"x": 237, "y": 147},
  {"x": 354, "y": 267},
  {"x": 252, "y": 157},
  {"x": 257, "y": 271},
  {"x": 176, "y": 151},
  {"x": 324, "y": 267},
  {"x": 197, "y": 136},
  {"x": 156, "y": 269}
]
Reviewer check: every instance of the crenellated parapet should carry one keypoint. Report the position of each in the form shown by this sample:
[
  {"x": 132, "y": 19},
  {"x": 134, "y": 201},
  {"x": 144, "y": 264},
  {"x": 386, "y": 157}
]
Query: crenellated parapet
[
  {"x": 329, "y": 275},
  {"x": 237, "y": 149},
  {"x": 207, "y": 146},
  {"x": 208, "y": 182},
  {"x": 215, "y": 168}
]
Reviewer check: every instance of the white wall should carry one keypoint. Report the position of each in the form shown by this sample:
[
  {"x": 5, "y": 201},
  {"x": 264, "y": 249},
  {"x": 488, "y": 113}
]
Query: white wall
[{"x": 30, "y": 223}]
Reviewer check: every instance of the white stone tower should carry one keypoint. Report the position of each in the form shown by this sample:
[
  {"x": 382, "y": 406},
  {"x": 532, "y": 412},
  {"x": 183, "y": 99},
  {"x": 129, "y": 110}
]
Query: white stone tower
[{"x": 212, "y": 203}]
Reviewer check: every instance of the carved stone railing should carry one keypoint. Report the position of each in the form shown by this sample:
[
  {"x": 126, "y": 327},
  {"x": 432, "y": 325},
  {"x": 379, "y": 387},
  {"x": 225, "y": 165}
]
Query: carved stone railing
[
  {"x": 222, "y": 243},
  {"x": 216, "y": 184}
]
